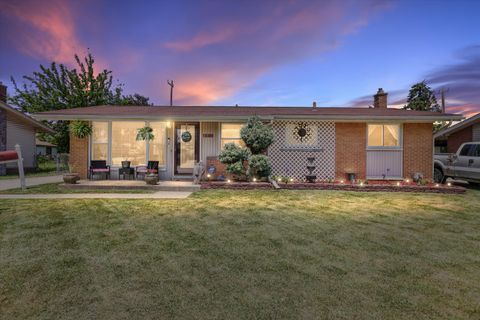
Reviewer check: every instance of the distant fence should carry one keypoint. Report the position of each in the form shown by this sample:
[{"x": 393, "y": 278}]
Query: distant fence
[{"x": 61, "y": 161}]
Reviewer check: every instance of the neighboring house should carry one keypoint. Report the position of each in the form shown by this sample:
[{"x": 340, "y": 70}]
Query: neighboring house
[
  {"x": 450, "y": 139},
  {"x": 45, "y": 148},
  {"x": 373, "y": 143},
  {"x": 18, "y": 128}
]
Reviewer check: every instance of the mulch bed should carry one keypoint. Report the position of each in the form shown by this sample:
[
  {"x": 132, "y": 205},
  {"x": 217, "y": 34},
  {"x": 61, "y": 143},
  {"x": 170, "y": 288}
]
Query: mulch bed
[{"x": 334, "y": 186}]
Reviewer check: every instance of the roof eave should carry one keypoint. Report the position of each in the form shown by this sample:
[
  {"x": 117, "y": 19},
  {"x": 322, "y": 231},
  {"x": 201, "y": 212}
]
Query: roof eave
[
  {"x": 36, "y": 124},
  {"x": 351, "y": 118}
]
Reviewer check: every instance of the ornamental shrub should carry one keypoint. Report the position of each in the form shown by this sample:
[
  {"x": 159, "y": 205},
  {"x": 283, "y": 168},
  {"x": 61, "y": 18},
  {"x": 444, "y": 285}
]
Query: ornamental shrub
[
  {"x": 232, "y": 153},
  {"x": 233, "y": 157},
  {"x": 259, "y": 166},
  {"x": 256, "y": 135},
  {"x": 237, "y": 169}
]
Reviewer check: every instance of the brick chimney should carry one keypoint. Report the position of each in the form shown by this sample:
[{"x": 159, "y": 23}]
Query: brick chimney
[
  {"x": 380, "y": 99},
  {"x": 3, "y": 93}
]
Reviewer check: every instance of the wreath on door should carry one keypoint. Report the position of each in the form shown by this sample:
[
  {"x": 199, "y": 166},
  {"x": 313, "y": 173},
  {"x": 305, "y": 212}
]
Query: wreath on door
[{"x": 186, "y": 136}]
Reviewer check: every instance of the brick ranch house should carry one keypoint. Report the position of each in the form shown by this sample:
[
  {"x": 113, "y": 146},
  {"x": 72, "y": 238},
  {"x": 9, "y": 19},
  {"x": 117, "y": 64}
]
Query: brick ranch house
[
  {"x": 374, "y": 143},
  {"x": 450, "y": 139}
]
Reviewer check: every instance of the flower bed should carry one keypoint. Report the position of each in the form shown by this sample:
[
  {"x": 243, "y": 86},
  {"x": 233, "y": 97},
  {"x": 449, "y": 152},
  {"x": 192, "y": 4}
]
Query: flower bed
[{"x": 386, "y": 187}]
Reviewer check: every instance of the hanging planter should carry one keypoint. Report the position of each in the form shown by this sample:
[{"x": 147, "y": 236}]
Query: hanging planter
[
  {"x": 186, "y": 136},
  {"x": 80, "y": 129},
  {"x": 145, "y": 133}
]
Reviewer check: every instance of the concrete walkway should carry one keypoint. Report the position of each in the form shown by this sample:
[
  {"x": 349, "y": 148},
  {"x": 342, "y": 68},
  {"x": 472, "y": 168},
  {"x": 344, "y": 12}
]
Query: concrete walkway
[
  {"x": 32, "y": 181},
  {"x": 156, "y": 195}
]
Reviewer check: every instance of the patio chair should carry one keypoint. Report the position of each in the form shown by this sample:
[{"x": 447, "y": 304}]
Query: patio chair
[
  {"x": 99, "y": 167},
  {"x": 126, "y": 170},
  {"x": 151, "y": 167}
]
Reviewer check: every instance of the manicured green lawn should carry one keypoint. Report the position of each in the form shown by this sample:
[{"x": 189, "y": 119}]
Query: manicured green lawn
[{"x": 243, "y": 255}]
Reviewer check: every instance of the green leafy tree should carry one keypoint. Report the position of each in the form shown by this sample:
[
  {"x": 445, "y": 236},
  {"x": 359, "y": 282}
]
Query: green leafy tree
[
  {"x": 256, "y": 135},
  {"x": 422, "y": 98},
  {"x": 57, "y": 87}
]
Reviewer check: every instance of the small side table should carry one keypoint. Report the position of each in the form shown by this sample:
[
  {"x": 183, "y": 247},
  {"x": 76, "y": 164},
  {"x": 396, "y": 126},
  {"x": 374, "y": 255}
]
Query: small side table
[{"x": 126, "y": 171}]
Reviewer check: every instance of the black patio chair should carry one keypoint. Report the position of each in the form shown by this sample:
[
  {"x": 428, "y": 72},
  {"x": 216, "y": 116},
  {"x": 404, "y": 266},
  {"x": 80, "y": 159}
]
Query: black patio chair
[
  {"x": 151, "y": 167},
  {"x": 99, "y": 167}
]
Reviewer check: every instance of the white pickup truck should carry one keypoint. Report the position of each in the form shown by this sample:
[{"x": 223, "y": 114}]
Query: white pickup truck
[{"x": 462, "y": 165}]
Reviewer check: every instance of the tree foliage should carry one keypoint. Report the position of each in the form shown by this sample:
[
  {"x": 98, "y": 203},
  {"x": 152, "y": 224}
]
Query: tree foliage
[
  {"x": 259, "y": 166},
  {"x": 256, "y": 135},
  {"x": 233, "y": 156},
  {"x": 422, "y": 98},
  {"x": 57, "y": 87}
]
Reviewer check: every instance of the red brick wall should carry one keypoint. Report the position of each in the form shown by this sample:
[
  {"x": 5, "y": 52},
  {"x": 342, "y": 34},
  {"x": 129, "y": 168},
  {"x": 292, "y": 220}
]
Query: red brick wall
[
  {"x": 455, "y": 140},
  {"x": 350, "y": 149},
  {"x": 79, "y": 155},
  {"x": 220, "y": 167},
  {"x": 418, "y": 149}
]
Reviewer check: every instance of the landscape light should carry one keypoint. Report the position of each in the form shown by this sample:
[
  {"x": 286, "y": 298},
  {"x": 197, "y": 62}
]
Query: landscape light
[
  {"x": 254, "y": 179},
  {"x": 449, "y": 184},
  {"x": 407, "y": 180},
  {"x": 229, "y": 181},
  {"x": 291, "y": 179},
  {"x": 342, "y": 182},
  {"x": 398, "y": 184},
  {"x": 361, "y": 184},
  {"x": 437, "y": 185},
  {"x": 208, "y": 175}
]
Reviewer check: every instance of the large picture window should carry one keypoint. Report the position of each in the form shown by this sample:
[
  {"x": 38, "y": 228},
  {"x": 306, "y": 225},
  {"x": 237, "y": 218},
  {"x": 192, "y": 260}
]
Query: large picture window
[
  {"x": 115, "y": 141},
  {"x": 157, "y": 145},
  {"x": 231, "y": 133},
  {"x": 99, "y": 140},
  {"x": 125, "y": 145},
  {"x": 384, "y": 135}
]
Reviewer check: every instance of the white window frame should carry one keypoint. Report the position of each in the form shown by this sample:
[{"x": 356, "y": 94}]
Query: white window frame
[
  {"x": 147, "y": 143},
  {"x": 400, "y": 136},
  {"x": 231, "y": 139}
]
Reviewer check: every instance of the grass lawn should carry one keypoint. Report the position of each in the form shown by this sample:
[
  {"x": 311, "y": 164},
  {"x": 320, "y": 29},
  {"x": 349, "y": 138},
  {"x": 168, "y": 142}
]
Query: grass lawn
[
  {"x": 47, "y": 168},
  {"x": 243, "y": 255},
  {"x": 58, "y": 188}
]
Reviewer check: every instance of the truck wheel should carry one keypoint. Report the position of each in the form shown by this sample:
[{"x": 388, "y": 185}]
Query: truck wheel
[{"x": 438, "y": 176}]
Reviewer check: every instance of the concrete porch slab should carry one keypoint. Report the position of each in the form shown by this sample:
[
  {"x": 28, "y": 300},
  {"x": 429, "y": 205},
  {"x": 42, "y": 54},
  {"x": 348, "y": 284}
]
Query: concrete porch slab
[{"x": 183, "y": 186}]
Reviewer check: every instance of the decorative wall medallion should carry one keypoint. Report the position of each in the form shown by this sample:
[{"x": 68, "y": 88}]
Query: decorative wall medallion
[
  {"x": 302, "y": 131},
  {"x": 186, "y": 136}
]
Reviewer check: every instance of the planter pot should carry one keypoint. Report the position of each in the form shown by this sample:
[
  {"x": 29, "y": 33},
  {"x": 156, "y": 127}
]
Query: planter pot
[
  {"x": 151, "y": 179},
  {"x": 71, "y": 178}
]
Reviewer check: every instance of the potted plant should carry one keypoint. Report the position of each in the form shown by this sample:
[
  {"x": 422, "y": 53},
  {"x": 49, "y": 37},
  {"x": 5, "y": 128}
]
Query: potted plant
[
  {"x": 71, "y": 177},
  {"x": 151, "y": 178},
  {"x": 80, "y": 129}
]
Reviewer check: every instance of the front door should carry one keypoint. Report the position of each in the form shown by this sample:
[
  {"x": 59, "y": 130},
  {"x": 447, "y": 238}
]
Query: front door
[{"x": 187, "y": 139}]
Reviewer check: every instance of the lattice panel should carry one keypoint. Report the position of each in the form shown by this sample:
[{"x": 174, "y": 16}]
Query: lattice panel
[{"x": 291, "y": 159}]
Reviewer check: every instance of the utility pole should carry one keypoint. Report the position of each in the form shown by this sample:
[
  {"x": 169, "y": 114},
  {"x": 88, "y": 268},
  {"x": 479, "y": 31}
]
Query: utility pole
[
  {"x": 442, "y": 92},
  {"x": 170, "y": 83}
]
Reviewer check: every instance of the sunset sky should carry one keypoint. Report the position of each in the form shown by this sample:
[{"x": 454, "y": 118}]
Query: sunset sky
[{"x": 282, "y": 52}]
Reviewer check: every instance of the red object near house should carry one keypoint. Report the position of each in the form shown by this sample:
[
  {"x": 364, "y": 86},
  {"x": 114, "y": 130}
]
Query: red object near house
[{"x": 8, "y": 155}]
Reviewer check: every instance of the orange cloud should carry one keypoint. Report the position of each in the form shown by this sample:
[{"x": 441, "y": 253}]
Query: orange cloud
[
  {"x": 52, "y": 33},
  {"x": 201, "y": 40}
]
